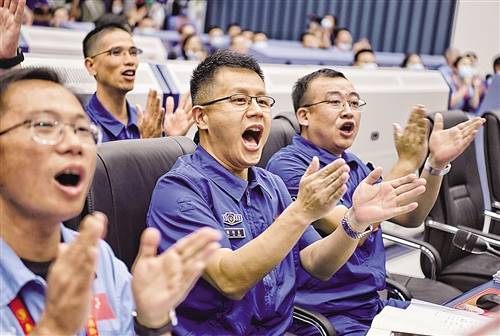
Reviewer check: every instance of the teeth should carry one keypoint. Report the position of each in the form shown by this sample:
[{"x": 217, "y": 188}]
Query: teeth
[
  {"x": 70, "y": 171},
  {"x": 254, "y": 129}
]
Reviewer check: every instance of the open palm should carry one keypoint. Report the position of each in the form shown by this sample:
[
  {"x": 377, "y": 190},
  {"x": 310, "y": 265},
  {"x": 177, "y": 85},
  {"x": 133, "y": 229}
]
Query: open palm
[
  {"x": 446, "y": 145},
  {"x": 11, "y": 15},
  {"x": 373, "y": 203}
]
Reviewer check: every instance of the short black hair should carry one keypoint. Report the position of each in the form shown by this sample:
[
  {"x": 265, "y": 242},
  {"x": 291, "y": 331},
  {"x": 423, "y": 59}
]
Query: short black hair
[
  {"x": 496, "y": 63},
  {"x": 361, "y": 51},
  {"x": 407, "y": 58},
  {"x": 337, "y": 31},
  {"x": 183, "y": 45},
  {"x": 213, "y": 27},
  {"x": 92, "y": 37},
  {"x": 302, "y": 84},
  {"x": 303, "y": 35},
  {"x": 16, "y": 75},
  {"x": 459, "y": 58},
  {"x": 232, "y": 24},
  {"x": 204, "y": 73}
]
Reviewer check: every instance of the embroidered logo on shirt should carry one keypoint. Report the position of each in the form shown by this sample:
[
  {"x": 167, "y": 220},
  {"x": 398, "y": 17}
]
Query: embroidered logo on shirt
[
  {"x": 101, "y": 309},
  {"x": 231, "y": 218},
  {"x": 235, "y": 233}
]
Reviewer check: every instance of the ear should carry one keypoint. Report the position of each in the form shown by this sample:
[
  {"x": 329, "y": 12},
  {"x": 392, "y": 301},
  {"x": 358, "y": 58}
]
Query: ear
[
  {"x": 303, "y": 116},
  {"x": 200, "y": 117},
  {"x": 89, "y": 65}
]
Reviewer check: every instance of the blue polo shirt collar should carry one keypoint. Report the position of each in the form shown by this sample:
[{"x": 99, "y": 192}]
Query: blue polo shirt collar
[
  {"x": 227, "y": 181},
  {"x": 107, "y": 120},
  {"x": 324, "y": 156}
]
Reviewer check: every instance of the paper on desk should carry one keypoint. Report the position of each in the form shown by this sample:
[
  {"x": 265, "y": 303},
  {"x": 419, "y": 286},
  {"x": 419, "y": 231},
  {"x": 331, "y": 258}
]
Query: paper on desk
[{"x": 425, "y": 318}]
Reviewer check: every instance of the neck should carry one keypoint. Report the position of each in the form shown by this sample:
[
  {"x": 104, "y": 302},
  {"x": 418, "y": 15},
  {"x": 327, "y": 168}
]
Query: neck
[
  {"x": 30, "y": 239},
  {"x": 241, "y": 173},
  {"x": 114, "y": 101}
]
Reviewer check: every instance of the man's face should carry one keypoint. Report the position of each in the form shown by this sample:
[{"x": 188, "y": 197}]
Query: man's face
[
  {"x": 234, "y": 136},
  {"x": 328, "y": 129},
  {"x": 114, "y": 71},
  {"x": 41, "y": 181},
  {"x": 343, "y": 37},
  {"x": 310, "y": 41}
]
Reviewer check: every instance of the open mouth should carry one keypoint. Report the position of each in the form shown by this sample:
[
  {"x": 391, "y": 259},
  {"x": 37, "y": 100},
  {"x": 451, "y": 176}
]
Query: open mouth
[
  {"x": 252, "y": 135},
  {"x": 347, "y": 127},
  {"x": 129, "y": 73},
  {"x": 70, "y": 180}
]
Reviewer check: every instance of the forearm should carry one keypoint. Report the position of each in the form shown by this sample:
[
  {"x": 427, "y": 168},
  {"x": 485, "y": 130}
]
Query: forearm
[
  {"x": 324, "y": 257},
  {"x": 234, "y": 273},
  {"x": 401, "y": 168}
]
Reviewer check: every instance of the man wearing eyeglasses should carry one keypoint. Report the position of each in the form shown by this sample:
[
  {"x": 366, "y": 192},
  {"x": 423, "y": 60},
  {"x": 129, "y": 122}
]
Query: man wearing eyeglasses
[
  {"x": 248, "y": 287},
  {"x": 112, "y": 58},
  {"x": 54, "y": 281},
  {"x": 329, "y": 109}
]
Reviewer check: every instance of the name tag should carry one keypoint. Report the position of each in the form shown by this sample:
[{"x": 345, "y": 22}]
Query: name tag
[{"x": 235, "y": 233}]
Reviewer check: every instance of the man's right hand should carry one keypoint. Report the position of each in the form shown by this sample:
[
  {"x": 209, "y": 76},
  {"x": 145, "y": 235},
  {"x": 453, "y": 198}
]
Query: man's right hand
[
  {"x": 11, "y": 16},
  {"x": 321, "y": 189},
  {"x": 69, "y": 282}
]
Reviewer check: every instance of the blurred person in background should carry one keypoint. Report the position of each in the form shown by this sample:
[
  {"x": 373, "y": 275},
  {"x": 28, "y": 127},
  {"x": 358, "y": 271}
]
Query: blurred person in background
[
  {"x": 248, "y": 34},
  {"x": 413, "y": 61},
  {"x": 365, "y": 58},
  {"x": 342, "y": 40},
  {"x": 193, "y": 49},
  {"x": 239, "y": 44},
  {"x": 496, "y": 70},
  {"x": 233, "y": 29},
  {"x": 309, "y": 40},
  {"x": 466, "y": 87},
  {"x": 260, "y": 39},
  {"x": 216, "y": 39},
  {"x": 450, "y": 56},
  {"x": 60, "y": 16}
]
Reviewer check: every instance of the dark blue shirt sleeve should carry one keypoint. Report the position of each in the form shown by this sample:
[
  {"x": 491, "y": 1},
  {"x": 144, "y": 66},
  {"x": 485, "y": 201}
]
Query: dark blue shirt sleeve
[
  {"x": 177, "y": 209},
  {"x": 290, "y": 172}
]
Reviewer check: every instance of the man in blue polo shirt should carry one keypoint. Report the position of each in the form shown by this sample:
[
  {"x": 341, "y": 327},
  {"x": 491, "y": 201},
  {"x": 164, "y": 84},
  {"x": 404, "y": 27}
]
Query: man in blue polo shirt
[
  {"x": 248, "y": 287},
  {"x": 328, "y": 109},
  {"x": 112, "y": 58},
  {"x": 48, "y": 155}
]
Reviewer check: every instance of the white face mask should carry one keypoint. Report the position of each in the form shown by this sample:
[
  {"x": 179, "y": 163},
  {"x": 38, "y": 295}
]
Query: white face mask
[
  {"x": 344, "y": 46},
  {"x": 217, "y": 41},
  {"x": 327, "y": 23},
  {"x": 465, "y": 71},
  {"x": 369, "y": 66},
  {"x": 415, "y": 66},
  {"x": 260, "y": 44},
  {"x": 117, "y": 9}
]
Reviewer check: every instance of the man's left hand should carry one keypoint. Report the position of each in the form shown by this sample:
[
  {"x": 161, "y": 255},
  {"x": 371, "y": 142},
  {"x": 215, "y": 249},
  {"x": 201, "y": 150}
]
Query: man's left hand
[
  {"x": 446, "y": 145},
  {"x": 11, "y": 16}
]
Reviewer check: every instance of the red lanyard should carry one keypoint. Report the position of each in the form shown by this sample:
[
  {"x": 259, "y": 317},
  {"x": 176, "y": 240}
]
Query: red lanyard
[{"x": 27, "y": 324}]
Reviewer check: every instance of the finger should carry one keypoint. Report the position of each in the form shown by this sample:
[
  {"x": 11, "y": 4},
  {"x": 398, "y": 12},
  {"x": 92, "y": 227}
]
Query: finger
[
  {"x": 169, "y": 107},
  {"x": 196, "y": 242},
  {"x": 403, "y": 180},
  {"x": 427, "y": 128},
  {"x": 475, "y": 124},
  {"x": 438, "y": 122},
  {"x": 182, "y": 100},
  {"x": 373, "y": 176},
  {"x": 410, "y": 195},
  {"x": 188, "y": 103},
  {"x": 409, "y": 186},
  {"x": 151, "y": 100},
  {"x": 312, "y": 168},
  {"x": 332, "y": 167},
  {"x": 92, "y": 228},
  {"x": 397, "y": 131},
  {"x": 6, "y": 4},
  {"x": 334, "y": 189},
  {"x": 13, "y": 6},
  {"x": 150, "y": 239},
  {"x": 403, "y": 209},
  {"x": 18, "y": 18}
]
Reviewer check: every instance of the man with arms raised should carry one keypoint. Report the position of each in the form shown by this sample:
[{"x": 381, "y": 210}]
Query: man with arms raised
[
  {"x": 249, "y": 284},
  {"x": 112, "y": 58},
  {"x": 328, "y": 109},
  {"x": 48, "y": 155}
]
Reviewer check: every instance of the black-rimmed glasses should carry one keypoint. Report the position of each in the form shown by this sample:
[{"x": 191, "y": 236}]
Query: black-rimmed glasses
[
  {"x": 338, "y": 105},
  {"x": 243, "y": 101},
  {"x": 120, "y": 51}
]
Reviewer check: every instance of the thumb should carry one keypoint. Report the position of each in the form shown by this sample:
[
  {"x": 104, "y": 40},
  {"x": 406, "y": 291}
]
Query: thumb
[
  {"x": 438, "y": 122},
  {"x": 313, "y": 167},
  {"x": 150, "y": 240},
  {"x": 396, "y": 131},
  {"x": 373, "y": 176}
]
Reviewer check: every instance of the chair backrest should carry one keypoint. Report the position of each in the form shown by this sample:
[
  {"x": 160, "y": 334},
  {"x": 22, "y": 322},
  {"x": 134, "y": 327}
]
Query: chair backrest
[
  {"x": 492, "y": 152},
  {"x": 460, "y": 199},
  {"x": 284, "y": 126},
  {"x": 125, "y": 177}
]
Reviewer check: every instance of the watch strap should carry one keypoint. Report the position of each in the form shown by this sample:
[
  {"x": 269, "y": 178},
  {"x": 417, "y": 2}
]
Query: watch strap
[
  {"x": 436, "y": 171},
  {"x": 141, "y": 330},
  {"x": 7, "y": 63},
  {"x": 352, "y": 233}
]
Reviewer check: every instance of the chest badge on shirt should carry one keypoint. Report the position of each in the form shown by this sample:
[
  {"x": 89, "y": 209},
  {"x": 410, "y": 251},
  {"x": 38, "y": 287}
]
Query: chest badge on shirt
[
  {"x": 235, "y": 233},
  {"x": 231, "y": 218}
]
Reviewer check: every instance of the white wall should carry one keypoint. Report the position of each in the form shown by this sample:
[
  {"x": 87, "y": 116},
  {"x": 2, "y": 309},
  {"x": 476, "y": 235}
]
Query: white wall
[{"x": 477, "y": 28}]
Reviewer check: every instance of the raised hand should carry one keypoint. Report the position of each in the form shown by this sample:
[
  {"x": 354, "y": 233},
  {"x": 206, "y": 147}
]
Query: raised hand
[
  {"x": 178, "y": 123},
  {"x": 320, "y": 190},
  {"x": 445, "y": 145},
  {"x": 411, "y": 143},
  {"x": 373, "y": 203},
  {"x": 150, "y": 122},
  {"x": 161, "y": 282},
  {"x": 69, "y": 282},
  {"x": 11, "y": 16}
]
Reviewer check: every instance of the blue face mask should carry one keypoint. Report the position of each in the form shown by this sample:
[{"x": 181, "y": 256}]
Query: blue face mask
[{"x": 465, "y": 71}]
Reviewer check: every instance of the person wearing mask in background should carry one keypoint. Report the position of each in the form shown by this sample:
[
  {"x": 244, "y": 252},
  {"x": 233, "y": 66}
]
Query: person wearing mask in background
[
  {"x": 193, "y": 49},
  {"x": 496, "y": 71},
  {"x": 53, "y": 280},
  {"x": 412, "y": 61},
  {"x": 216, "y": 39},
  {"x": 342, "y": 40},
  {"x": 466, "y": 88},
  {"x": 112, "y": 58},
  {"x": 365, "y": 58},
  {"x": 329, "y": 22},
  {"x": 450, "y": 55},
  {"x": 260, "y": 39},
  {"x": 239, "y": 44},
  {"x": 309, "y": 40}
]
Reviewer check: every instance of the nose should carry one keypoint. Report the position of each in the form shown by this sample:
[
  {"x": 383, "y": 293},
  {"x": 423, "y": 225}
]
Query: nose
[
  {"x": 254, "y": 108},
  {"x": 346, "y": 111},
  {"x": 70, "y": 141},
  {"x": 129, "y": 59}
]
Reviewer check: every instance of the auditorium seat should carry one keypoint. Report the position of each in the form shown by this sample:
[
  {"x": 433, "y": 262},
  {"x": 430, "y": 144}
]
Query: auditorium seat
[
  {"x": 125, "y": 176},
  {"x": 492, "y": 157}
]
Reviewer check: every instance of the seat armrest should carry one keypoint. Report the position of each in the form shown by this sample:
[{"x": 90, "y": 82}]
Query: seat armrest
[
  {"x": 491, "y": 238},
  {"x": 493, "y": 215},
  {"x": 427, "y": 249},
  {"x": 397, "y": 290},
  {"x": 324, "y": 326}
]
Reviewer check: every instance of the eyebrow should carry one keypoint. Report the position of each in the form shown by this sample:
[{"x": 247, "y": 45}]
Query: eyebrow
[
  {"x": 57, "y": 115},
  {"x": 350, "y": 94}
]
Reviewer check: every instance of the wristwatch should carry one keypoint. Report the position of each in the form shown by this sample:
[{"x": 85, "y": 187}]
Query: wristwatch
[
  {"x": 141, "y": 330},
  {"x": 435, "y": 171},
  {"x": 352, "y": 233},
  {"x": 7, "y": 63}
]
